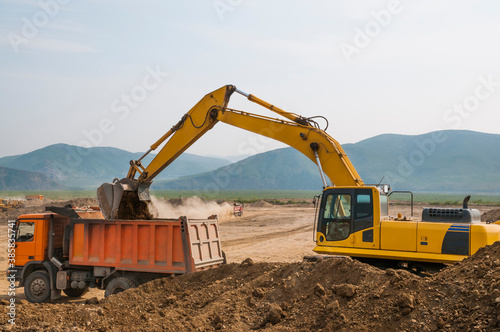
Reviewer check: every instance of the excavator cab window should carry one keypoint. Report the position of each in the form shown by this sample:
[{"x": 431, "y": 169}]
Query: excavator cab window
[
  {"x": 344, "y": 212},
  {"x": 337, "y": 216}
]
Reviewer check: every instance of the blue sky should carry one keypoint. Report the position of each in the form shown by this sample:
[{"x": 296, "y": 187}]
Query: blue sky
[{"x": 370, "y": 67}]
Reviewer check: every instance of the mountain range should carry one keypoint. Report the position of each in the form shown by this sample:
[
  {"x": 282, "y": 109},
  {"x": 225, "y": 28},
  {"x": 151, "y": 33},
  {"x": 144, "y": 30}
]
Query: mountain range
[
  {"x": 15, "y": 179},
  {"x": 444, "y": 161},
  {"x": 75, "y": 167}
]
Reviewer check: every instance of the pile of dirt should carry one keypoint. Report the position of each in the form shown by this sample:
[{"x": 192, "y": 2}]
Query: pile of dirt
[
  {"x": 259, "y": 204},
  {"x": 332, "y": 294},
  {"x": 81, "y": 202},
  {"x": 492, "y": 215},
  {"x": 39, "y": 206}
]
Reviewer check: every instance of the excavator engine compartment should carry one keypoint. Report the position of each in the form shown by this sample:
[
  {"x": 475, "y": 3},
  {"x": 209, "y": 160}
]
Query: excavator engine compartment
[{"x": 455, "y": 215}]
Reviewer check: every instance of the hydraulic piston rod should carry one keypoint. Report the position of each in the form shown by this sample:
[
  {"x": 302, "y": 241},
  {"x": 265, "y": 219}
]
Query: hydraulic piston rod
[{"x": 315, "y": 147}]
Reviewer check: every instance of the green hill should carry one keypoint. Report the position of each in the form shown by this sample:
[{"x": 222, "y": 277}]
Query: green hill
[
  {"x": 78, "y": 167},
  {"x": 14, "y": 179},
  {"x": 447, "y": 161}
]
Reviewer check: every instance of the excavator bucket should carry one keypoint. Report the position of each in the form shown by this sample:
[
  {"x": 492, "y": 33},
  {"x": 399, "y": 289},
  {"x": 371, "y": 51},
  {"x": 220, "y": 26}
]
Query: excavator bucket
[{"x": 124, "y": 199}]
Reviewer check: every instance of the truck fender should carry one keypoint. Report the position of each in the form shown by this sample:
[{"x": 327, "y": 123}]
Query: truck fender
[
  {"x": 28, "y": 269},
  {"x": 39, "y": 265}
]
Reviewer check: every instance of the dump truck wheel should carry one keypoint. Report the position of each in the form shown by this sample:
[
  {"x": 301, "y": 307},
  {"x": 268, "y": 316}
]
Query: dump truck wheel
[
  {"x": 75, "y": 292},
  {"x": 37, "y": 287},
  {"x": 119, "y": 285}
]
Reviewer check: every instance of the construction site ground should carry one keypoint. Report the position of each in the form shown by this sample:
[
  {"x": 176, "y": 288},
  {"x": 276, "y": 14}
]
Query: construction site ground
[{"x": 267, "y": 286}]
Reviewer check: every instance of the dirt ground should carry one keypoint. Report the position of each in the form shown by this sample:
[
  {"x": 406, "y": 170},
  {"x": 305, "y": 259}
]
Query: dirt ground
[{"x": 266, "y": 285}]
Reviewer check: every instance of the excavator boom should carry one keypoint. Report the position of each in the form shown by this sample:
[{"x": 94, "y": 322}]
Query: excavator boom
[{"x": 299, "y": 132}]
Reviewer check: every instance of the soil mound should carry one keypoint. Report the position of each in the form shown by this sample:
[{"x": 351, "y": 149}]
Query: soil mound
[
  {"x": 335, "y": 294},
  {"x": 259, "y": 204},
  {"x": 492, "y": 215},
  {"x": 39, "y": 206}
]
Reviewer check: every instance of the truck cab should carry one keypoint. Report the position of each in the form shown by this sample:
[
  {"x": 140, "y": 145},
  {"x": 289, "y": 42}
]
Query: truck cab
[
  {"x": 32, "y": 237},
  {"x": 40, "y": 249}
]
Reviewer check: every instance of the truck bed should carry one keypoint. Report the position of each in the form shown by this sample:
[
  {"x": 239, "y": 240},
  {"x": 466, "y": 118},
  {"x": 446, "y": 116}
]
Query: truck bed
[{"x": 161, "y": 245}]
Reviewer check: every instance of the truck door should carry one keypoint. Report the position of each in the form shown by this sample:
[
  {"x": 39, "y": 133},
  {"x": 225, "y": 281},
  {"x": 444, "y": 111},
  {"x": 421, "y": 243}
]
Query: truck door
[{"x": 25, "y": 242}]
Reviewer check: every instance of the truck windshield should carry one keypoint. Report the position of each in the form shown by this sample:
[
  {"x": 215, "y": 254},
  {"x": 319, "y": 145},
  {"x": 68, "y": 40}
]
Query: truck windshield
[{"x": 25, "y": 231}]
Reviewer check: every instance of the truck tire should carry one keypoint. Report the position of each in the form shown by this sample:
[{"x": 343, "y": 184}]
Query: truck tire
[
  {"x": 37, "y": 287},
  {"x": 75, "y": 292},
  {"x": 119, "y": 285}
]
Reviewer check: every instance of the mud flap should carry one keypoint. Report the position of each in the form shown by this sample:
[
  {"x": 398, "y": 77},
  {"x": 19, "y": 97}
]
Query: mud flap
[{"x": 55, "y": 294}]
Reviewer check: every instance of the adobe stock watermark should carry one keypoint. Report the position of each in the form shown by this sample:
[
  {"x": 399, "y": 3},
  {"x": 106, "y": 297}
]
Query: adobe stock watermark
[
  {"x": 222, "y": 7},
  {"x": 372, "y": 29},
  {"x": 121, "y": 107},
  {"x": 11, "y": 271},
  {"x": 32, "y": 26},
  {"x": 456, "y": 115}
]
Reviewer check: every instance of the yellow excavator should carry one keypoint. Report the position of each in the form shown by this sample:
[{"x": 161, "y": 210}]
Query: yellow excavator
[
  {"x": 351, "y": 218},
  {"x": 10, "y": 204}
]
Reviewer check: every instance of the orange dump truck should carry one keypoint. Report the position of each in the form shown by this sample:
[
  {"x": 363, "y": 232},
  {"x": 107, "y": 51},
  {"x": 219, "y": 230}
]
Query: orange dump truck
[
  {"x": 33, "y": 197},
  {"x": 61, "y": 251}
]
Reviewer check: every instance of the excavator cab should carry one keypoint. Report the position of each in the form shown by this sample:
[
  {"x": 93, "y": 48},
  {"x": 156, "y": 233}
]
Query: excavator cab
[{"x": 346, "y": 216}]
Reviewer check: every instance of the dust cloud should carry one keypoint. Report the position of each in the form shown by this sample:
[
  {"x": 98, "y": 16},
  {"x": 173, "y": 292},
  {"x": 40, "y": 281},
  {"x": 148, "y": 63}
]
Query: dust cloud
[{"x": 192, "y": 207}]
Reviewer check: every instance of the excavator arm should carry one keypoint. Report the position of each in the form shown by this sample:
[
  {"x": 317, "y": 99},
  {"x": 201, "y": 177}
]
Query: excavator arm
[{"x": 298, "y": 132}]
